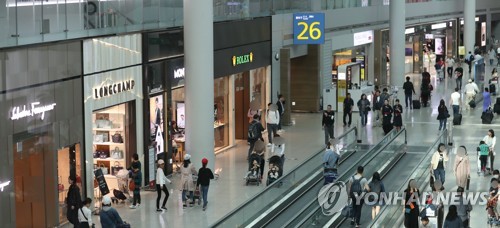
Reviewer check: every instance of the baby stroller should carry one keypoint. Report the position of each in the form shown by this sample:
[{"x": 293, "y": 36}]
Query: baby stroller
[
  {"x": 197, "y": 194},
  {"x": 120, "y": 194},
  {"x": 275, "y": 169},
  {"x": 253, "y": 175}
]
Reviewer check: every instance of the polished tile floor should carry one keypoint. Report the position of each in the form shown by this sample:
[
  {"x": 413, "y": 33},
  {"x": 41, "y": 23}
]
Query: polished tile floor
[{"x": 304, "y": 138}]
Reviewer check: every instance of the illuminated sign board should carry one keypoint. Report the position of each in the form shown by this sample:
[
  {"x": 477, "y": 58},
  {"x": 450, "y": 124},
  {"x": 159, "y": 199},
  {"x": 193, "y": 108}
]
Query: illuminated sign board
[
  {"x": 106, "y": 90},
  {"x": 242, "y": 59},
  {"x": 308, "y": 28},
  {"x": 33, "y": 109},
  {"x": 179, "y": 73},
  {"x": 361, "y": 38},
  {"x": 3, "y": 185}
]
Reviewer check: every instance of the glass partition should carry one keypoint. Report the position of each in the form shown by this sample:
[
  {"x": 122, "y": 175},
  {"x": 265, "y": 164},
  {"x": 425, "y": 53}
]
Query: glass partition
[
  {"x": 283, "y": 186},
  {"x": 391, "y": 214}
]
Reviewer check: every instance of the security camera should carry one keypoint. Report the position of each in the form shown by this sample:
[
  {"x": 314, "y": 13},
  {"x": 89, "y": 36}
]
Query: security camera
[{"x": 277, "y": 56}]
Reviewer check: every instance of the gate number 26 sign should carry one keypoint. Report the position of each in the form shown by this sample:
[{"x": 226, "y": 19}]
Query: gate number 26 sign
[{"x": 308, "y": 28}]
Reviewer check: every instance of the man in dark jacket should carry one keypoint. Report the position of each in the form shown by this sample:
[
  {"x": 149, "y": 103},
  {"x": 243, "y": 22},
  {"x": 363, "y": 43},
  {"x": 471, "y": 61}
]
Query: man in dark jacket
[
  {"x": 409, "y": 89},
  {"x": 281, "y": 109},
  {"x": 327, "y": 123},
  {"x": 254, "y": 133},
  {"x": 348, "y": 104}
]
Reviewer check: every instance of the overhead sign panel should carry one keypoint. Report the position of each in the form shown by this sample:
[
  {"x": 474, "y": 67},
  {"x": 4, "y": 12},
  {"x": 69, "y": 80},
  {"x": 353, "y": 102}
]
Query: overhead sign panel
[{"x": 308, "y": 28}]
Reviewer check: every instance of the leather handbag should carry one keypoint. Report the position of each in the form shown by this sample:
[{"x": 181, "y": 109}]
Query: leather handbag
[
  {"x": 96, "y": 154},
  {"x": 117, "y": 138},
  {"x": 103, "y": 154},
  {"x": 104, "y": 169},
  {"x": 116, "y": 168},
  {"x": 117, "y": 154},
  {"x": 98, "y": 138}
]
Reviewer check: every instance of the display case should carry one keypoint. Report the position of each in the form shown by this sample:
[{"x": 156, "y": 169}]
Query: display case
[{"x": 109, "y": 139}]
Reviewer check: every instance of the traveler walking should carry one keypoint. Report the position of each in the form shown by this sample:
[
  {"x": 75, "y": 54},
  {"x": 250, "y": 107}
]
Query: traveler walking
[
  {"x": 356, "y": 186},
  {"x": 409, "y": 89},
  {"x": 398, "y": 119},
  {"x": 452, "y": 220},
  {"x": 363, "y": 107},
  {"x": 348, "y": 105},
  {"x": 491, "y": 141},
  {"x": 376, "y": 186},
  {"x": 387, "y": 117},
  {"x": 411, "y": 208},
  {"x": 187, "y": 182},
  {"x": 455, "y": 102},
  {"x": 486, "y": 99},
  {"x": 281, "y": 109},
  {"x": 109, "y": 216},
  {"x": 330, "y": 164},
  {"x": 492, "y": 55},
  {"x": 73, "y": 201},
  {"x": 377, "y": 106},
  {"x": 272, "y": 120},
  {"x": 438, "y": 163},
  {"x": 450, "y": 62},
  {"x": 464, "y": 208},
  {"x": 470, "y": 93},
  {"x": 327, "y": 123},
  {"x": 204, "y": 176},
  {"x": 443, "y": 115},
  {"x": 85, "y": 214},
  {"x": 137, "y": 178},
  {"x": 462, "y": 167},
  {"x": 468, "y": 60},
  {"x": 161, "y": 181},
  {"x": 484, "y": 151},
  {"x": 254, "y": 133},
  {"x": 459, "y": 73}
]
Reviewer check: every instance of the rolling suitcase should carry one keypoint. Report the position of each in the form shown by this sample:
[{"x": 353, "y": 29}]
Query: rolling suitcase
[
  {"x": 493, "y": 89},
  {"x": 416, "y": 104},
  {"x": 487, "y": 117},
  {"x": 457, "y": 119}
]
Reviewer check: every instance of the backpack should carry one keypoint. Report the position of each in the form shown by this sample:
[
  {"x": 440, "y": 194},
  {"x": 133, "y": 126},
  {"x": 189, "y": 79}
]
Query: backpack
[
  {"x": 253, "y": 131},
  {"x": 356, "y": 187},
  {"x": 376, "y": 187}
]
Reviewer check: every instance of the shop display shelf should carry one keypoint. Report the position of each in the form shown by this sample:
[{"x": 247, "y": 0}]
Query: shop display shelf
[
  {"x": 107, "y": 129},
  {"x": 108, "y": 159}
]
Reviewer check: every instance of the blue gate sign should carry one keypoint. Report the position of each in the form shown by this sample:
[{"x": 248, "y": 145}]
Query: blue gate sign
[{"x": 308, "y": 28}]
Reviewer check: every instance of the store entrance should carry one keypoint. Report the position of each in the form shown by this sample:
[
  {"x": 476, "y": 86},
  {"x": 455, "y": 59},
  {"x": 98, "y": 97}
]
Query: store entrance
[
  {"x": 241, "y": 105},
  {"x": 68, "y": 164},
  {"x": 34, "y": 179}
]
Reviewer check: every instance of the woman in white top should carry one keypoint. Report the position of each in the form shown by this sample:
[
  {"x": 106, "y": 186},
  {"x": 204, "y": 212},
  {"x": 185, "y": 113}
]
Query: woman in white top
[
  {"x": 491, "y": 140},
  {"x": 161, "y": 180},
  {"x": 85, "y": 214}
]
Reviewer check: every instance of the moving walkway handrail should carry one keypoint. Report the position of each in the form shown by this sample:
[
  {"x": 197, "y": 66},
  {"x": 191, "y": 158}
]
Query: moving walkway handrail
[
  {"x": 420, "y": 173},
  {"x": 384, "y": 143},
  {"x": 380, "y": 150},
  {"x": 288, "y": 175}
]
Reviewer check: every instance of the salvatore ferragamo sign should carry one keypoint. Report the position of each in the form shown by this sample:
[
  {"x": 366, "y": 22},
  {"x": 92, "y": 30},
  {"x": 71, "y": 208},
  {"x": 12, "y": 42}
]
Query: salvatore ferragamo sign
[
  {"x": 106, "y": 90},
  {"x": 35, "y": 108}
]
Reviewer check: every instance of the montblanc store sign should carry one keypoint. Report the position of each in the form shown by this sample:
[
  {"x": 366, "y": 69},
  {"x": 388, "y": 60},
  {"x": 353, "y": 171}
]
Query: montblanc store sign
[
  {"x": 179, "y": 73},
  {"x": 106, "y": 90},
  {"x": 34, "y": 109}
]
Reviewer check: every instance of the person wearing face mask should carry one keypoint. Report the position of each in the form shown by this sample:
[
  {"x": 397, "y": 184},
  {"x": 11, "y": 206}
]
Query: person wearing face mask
[
  {"x": 411, "y": 208},
  {"x": 462, "y": 168},
  {"x": 438, "y": 163}
]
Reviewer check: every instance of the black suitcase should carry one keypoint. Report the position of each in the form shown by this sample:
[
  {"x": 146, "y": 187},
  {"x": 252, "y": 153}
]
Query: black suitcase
[
  {"x": 416, "y": 104},
  {"x": 457, "y": 119},
  {"x": 487, "y": 117},
  {"x": 496, "y": 108},
  {"x": 119, "y": 194},
  {"x": 493, "y": 89}
]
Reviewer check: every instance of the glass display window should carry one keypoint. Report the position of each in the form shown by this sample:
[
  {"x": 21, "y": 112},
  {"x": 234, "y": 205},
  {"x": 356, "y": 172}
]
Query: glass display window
[
  {"x": 221, "y": 112},
  {"x": 110, "y": 139},
  {"x": 258, "y": 91}
]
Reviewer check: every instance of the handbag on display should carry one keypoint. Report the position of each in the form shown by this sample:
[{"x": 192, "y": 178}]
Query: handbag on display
[
  {"x": 104, "y": 169},
  {"x": 96, "y": 154},
  {"x": 103, "y": 154},
  {"x": 117, "y": 138},
  {"x": 98, "y": 138},
  {"x": 116, "y": 168},
  {"x": 117, "y": 154},
  {"x": 105, "y": 137}
]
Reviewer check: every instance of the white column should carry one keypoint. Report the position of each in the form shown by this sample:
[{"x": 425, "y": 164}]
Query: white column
[
  {"x": 199, "y": 65},
  {"x": 469, "y": 25},
  {"x": 397, "y": 42}
]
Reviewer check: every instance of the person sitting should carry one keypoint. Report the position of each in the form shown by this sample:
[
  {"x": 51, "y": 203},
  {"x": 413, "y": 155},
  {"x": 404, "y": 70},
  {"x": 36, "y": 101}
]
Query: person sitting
[
  {"x": 109, "y": 216},
  {"x": 254, "y": 170}
]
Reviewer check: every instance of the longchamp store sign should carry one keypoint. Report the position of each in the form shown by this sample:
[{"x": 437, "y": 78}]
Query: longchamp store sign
[{"x": 106, "y": 90}]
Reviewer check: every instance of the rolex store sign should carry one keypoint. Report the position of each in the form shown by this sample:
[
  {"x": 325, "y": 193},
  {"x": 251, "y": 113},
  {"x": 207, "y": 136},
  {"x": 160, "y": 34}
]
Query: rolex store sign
[
  {"x": 106, "y": 89},
  {"x": 242, "y": 59}
]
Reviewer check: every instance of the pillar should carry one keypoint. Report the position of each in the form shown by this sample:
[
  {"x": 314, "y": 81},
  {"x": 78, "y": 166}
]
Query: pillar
[
  {"x": 285, "y": 79},
  {"x": 397, "y": 42},
  {"x": 199, "y": 84},
  {"x": 469, "y": 26}
]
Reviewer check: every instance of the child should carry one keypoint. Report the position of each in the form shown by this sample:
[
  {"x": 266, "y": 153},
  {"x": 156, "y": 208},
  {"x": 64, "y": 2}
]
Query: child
[
  {"x": 273, "y": 174},
  {"x": 425, "y": 222},
  {"x": 483, "y": 155},
  {"x": 279, "y": 149},
  {"x": 137, "y": 178},
  {"x": 398, "y": 119},
  {"x": 254, "y": 171},
  {"x": 491, "y": 207}
]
